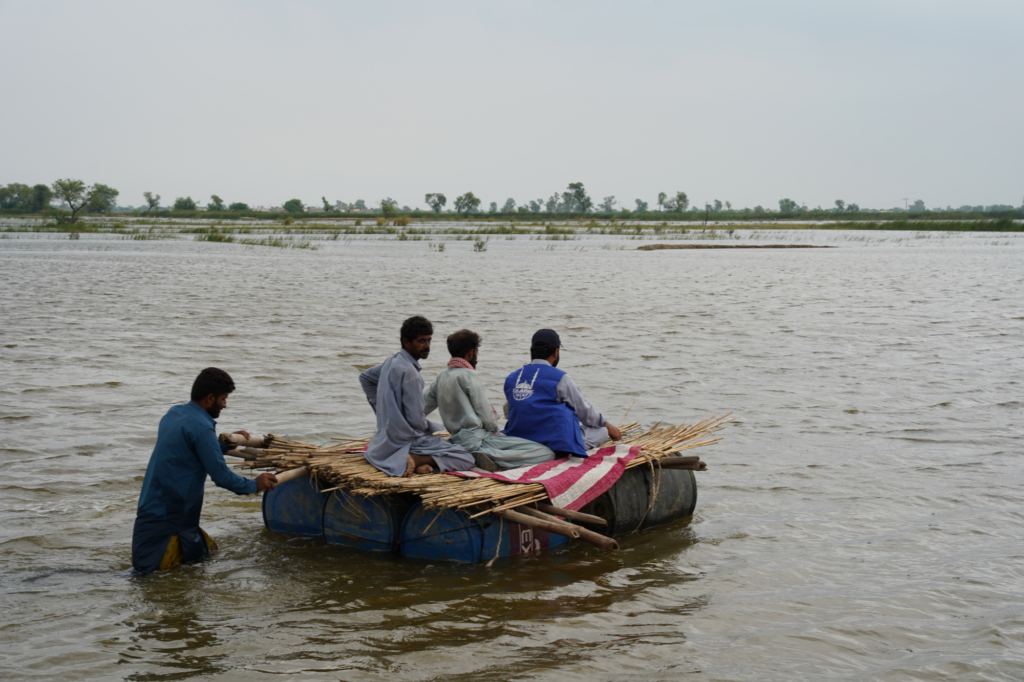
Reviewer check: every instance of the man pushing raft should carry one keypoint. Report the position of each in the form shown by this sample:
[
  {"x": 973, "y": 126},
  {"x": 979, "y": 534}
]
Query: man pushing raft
[{"x": 167, "y": 528}]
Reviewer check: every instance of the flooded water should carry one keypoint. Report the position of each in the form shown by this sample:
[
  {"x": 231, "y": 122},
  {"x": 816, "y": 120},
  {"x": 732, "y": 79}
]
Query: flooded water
[{"x": 861, "y": 520}]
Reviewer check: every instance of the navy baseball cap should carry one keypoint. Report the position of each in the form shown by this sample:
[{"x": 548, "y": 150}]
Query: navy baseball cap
[{"x": 546, "y": 338}]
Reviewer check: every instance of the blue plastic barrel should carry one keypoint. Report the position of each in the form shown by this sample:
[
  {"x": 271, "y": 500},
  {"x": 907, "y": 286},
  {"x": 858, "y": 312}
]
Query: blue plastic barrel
[
  {"x": 452, "y": 536},
  {"x": 295, "y": 507},
  {"x": 370, "y": 523}
]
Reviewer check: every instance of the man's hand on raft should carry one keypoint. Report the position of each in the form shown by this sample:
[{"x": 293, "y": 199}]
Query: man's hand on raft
[
  {"x": 265, "y": 482},
  {"x": 613, "y": 432},
  {"x": 243, "y": 434}
]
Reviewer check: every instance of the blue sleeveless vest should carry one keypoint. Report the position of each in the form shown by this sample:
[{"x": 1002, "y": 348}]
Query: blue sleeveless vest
[{"x": 534, "y": 412}]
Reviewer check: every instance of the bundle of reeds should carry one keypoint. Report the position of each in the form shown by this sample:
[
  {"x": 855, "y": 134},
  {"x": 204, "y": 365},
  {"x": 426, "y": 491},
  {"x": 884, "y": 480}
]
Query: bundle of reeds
[{"x": 342, "y": 466}]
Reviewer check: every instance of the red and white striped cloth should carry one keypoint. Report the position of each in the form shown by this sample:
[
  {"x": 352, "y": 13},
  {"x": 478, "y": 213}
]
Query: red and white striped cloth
[{"x": 571, "y": 482}]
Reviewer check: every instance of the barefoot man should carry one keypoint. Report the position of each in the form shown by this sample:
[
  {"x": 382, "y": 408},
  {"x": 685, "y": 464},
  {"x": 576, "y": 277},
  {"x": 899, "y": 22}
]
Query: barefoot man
[{"x": 404, "y": 442}]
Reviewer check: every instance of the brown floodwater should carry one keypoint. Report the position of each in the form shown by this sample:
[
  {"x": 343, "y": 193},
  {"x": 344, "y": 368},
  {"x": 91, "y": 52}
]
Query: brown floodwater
[{"x": 860, "y": 520}]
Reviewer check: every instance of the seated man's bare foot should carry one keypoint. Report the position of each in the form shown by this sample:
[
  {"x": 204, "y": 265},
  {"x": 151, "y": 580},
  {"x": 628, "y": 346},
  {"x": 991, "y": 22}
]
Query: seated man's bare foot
[
  {"x": 424, "y": 469},
  {"x": 410, "y": 467}
]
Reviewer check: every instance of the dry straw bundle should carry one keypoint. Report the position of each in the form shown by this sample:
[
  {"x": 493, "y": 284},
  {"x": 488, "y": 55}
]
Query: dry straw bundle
[{"x": 341, "y": 466}]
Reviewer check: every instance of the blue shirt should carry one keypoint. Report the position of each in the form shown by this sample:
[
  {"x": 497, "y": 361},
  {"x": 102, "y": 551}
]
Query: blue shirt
[{"x": 186, "y": 451}]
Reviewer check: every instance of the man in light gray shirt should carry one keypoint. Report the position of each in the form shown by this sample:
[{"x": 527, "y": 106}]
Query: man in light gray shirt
[{"x": 459, "y": 394}]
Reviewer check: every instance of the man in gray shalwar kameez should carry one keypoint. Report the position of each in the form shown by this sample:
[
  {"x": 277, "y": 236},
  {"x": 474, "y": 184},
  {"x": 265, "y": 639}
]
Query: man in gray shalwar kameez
[
  {"x": 404, "y": 441},
  {"x": 469, "y": 417}
]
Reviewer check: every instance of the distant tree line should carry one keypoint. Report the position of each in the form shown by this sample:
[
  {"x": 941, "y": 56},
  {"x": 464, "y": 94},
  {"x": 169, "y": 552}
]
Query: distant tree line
[{"x": 74, "y": 198}]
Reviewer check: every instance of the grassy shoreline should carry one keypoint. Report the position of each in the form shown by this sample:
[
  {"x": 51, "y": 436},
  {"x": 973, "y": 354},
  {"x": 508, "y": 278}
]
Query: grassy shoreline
[{"x": 857, "y": 220}]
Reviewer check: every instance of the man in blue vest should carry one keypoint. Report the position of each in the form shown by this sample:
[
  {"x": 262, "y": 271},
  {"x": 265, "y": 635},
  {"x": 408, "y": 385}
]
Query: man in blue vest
[{"x": 545, "y": 405}]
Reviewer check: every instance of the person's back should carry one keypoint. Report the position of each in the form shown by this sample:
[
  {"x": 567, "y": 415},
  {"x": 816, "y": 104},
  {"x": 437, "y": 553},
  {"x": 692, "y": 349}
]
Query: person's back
[
  {"x": 458, "y": 393},
  {"x": 536, "y": 413},
  {"x": 546, "y": 405}
]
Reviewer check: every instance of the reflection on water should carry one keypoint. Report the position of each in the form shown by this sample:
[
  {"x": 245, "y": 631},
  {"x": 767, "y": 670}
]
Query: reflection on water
[{"x": 860, "y": 521}]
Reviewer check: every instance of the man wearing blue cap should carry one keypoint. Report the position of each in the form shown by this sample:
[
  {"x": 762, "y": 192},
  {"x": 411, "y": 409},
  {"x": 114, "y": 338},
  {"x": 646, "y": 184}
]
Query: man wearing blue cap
[{"x": 545, "y": 405}]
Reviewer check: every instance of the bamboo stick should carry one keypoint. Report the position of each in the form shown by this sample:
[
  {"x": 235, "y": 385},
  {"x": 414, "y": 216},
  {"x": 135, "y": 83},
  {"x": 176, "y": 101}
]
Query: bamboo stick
[
  {"x": 579, "y": 517},
  {"x": 524, "y": 520}
]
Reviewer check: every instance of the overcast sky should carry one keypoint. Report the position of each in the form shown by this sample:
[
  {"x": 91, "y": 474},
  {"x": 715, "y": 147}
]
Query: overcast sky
[{"x": 746, "y": 101}]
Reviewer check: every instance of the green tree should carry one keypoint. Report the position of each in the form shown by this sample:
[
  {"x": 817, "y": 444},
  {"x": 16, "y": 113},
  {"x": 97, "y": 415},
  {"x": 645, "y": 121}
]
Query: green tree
[
  {"x": 788, "y": 206},
  {"x": 728, "y": 206},
  {"x": 608, "y": 205},
  {"x": 184, "y": 204},
  {"x": 327, "y": 207},
  {"x": 718, "y": 205},
  {"x": 853, "y": 208},
  {"x": 536, "y": 205},
  {"x": 216, "y": 203},
  {"x": 41, "y": 196},
  {"x": 661, "y": 200},
  {"x": 682, "y": 201},
  {"x": 510, "y": 206},
  {"x": 102, "y": 199},
  {"x": 294, "y": 206},
  {"x": 73, "y": 193},
  {"x": 360, "y": 205},
  {"x": 467, "y": 203},
  {"x": 152, "y": 201},
  {"x": 493, "y": 208},
  {"x": 641, "y": 206},
  {"x": 840, "y": 205},
  {"x": 436, "y": 201},
  {"x": 581, "y": 201},
  {"x": 238, "y": 206},
  {"x": 389, "y": 208},
  {"x": 917, "y": 207}
]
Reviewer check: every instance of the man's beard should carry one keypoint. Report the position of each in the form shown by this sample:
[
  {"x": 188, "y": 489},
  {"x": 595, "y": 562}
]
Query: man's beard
[
  {"x": 555, "y": 363},
  {"x": 423, "y": 354},
  {"x": 214, "y": 411}
]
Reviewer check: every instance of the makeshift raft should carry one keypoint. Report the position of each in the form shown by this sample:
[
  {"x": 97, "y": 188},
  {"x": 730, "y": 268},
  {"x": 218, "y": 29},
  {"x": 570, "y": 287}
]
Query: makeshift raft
[{"x": 332, "y": 492}]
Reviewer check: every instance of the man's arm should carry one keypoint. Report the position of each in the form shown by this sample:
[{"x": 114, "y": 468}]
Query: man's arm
[
  {"x": 569, "y": 393},
  {"x": 474, "y": 388},
  {"x": 430, "y": 398},
  {"x": 207, "y": 447},
  {"x": 412, "y": 400},
  {"x": 369, "y": 380}
]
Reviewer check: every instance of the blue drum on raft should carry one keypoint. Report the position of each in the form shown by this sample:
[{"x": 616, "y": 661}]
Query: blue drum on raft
[{"x": 639, "y": 500}]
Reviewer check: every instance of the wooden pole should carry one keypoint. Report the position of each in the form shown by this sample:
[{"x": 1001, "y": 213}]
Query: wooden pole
[
  {"x": 239, "y": 439},
  {"x": 671, "y": 463},
  {"x": 576, "y": 516},
  {"x": 559, "y": 528},
  {"x": 291, "y": 475},
  {"x": 550, "y": 526}
]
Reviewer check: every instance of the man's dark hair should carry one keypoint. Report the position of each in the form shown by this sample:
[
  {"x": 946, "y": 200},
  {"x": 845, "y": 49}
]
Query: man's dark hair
[
  {"x": 211, "y": 380},
  {"x": 415, "y": 327},
  {"x": 542, "y": 352},
  {"x": 461, "y": 342}
]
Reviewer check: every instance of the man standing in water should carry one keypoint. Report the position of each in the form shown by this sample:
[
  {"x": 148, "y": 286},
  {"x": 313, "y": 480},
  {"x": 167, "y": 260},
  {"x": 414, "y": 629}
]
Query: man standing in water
[
  {"x": 404, "y": 443},
  {"x": 459, "y": 395},
  {"x": 167, "y": 522},
  {"x": 546, "y": 405}
]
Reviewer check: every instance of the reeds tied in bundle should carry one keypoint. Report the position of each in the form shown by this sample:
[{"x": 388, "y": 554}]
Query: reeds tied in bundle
[{"x": 342, "y": 466}]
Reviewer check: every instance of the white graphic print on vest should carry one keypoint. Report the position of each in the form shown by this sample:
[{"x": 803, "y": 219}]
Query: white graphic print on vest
[{"x": 524, "y": 390}]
